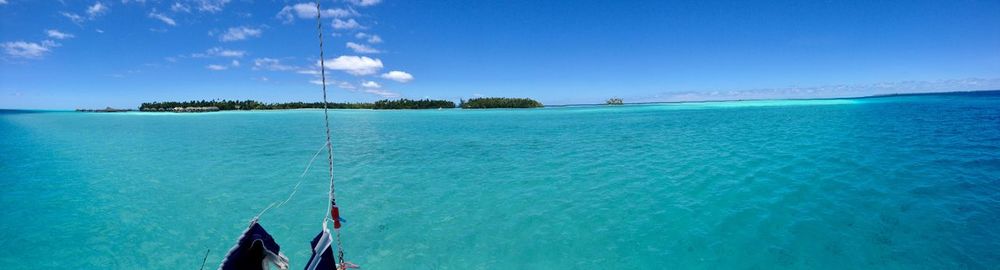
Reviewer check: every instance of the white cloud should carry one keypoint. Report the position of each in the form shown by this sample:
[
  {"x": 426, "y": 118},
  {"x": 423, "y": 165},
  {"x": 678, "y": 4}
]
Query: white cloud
[
  {"x": 348, "y": 24},
  {"x": 211, "y": 6},
  {"x": 240, "y": 33},
  {"x": 52, "y": 33},
  {"x": 398, "y": 76},
  {"x": 219, "y": 52},
  {"x": 308, "y": 72},
  {"x": 365, "y": 3},
  {"x": 383, "y": 93},
  {"x": 216, "y": 67},
  {"x": 361, "y": 48},
  {"x": 162, "y": 18},
  {"x": 178, "y": 7},
  {"x": 99, "y": 31},
  {"x": 270, "y": 64},
  {"x": 308, "y": 11},
  {"x": 73, "y": 17},
  {"x": 371, "y": 38},
  {"x": 31, "y": 50},
  {"x": 371, "y": 84},
  {"x": 355, "y": 65},
  {"x": 345, "y": 85},
  {"x": 3, "y": 2},
  {"x": 235, "y": 63},
  {"x": 92, "y": 11},
  {"x": 341, "y": 85},
  {"x": 97, "y": 9}
]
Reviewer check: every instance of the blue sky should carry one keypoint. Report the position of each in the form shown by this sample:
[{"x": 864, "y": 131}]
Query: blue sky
[{"x": 76, "y": 54}]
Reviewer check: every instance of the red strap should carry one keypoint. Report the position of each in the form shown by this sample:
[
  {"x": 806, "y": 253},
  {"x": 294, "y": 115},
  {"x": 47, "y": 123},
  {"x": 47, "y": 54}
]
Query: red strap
[{"x": 335, "y": 214}]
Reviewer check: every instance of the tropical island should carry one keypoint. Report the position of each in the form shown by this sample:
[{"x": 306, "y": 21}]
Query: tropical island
[
  {"x": 497, "y": 102},
  {"x": 246, "y": 105},
  {"x": 385, "y": 104}
]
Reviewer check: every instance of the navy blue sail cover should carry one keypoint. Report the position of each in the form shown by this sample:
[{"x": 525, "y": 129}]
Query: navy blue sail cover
[
  {"x": 322, "y": 253},
  {"x": 255, "y": 249}
]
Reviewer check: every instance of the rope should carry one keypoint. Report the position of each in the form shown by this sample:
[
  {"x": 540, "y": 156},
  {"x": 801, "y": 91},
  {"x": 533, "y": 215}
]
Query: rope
[
  {"x": 204, "y": 260},
  {"x": 294, "y": 189},
  {"x": 326, "y": 122},
  {"x": 320, "y": 150}
]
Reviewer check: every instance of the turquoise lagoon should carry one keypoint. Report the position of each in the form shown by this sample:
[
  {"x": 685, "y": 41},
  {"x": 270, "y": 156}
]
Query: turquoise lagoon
[{"x": 902, "y": 182}]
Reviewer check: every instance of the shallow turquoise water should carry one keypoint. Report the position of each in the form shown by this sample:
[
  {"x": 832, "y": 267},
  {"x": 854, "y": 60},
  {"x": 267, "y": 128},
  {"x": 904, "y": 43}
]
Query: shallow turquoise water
[{"x": 909, "y": 182}]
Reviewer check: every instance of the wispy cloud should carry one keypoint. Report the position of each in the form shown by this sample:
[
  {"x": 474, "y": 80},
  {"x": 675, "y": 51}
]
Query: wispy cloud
[
  {"x": 382, "y": 92},
  {"x": 364, "y": 3},
  {"x": 346, "y": 25},
  {"x": 371, "y": 84},
  {"x": 398, "y": 76},
  {"x": 219, "y": 52},
  {"x": 308, "y": 72},
  {"x": 371, "y": 38},
  {"x": 216, "y": 67},
  {"x": 29, "y": 50},
  {"x": 92, "y": 11},
  {"x": 355, "y": 65},
  {"x": 270, "y": 64},
  {"x": 210, "y": 6},
  {"x": 179, "y": 7},
  {"x": 240, "y": 33},
  {"x": 73, "y": 17},
  {"x": 308, "y": 11},
  {"x": 338, "y": 84},
  {"x": 361, "y": 48},
  {"x": 97, "y": 9},
  {"x": 163, "y": 18},
  {"x": 56, "y": 34}
]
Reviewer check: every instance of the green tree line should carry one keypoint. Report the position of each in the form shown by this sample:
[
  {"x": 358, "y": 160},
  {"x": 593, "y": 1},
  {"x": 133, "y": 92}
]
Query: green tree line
[
  {"x": 229, "y": 105},
  {"x": 496, "y": 102},
  {"x": 386, "y": 104}
]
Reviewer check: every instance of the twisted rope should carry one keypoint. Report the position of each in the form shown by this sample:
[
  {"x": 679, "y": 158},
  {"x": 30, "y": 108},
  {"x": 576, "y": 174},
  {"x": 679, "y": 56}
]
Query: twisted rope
[{"x": 326, "y": 122}]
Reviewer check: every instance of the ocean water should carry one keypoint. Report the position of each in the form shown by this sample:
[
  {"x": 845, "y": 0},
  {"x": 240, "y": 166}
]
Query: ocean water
[{"x": 904, "y": 182}]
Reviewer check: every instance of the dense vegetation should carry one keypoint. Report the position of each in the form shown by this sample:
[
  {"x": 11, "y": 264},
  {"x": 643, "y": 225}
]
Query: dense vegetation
[
  {"x": 494, "y": 102},
  {"x": 386, "y": 104},
  {"x": 614, "y": 101},
  {"x": 227, "y": 105}
]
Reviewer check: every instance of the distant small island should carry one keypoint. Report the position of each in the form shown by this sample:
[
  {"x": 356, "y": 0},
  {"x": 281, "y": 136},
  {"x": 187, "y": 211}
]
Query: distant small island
[
  {"x": 496, "y": 102},
  {"x": 614, "y": 101}
]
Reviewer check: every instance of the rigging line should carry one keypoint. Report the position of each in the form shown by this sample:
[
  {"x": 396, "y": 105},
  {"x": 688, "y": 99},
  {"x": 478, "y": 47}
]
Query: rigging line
[
  {"x": 205, "y": 259},
  {"x": 326, "y": 114},
  {"x": 326, "y": 122},
  {"x": 257, "y": 217},
  {"x": 320, "y": 150},
  {"x": 296, "y": 188}
]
